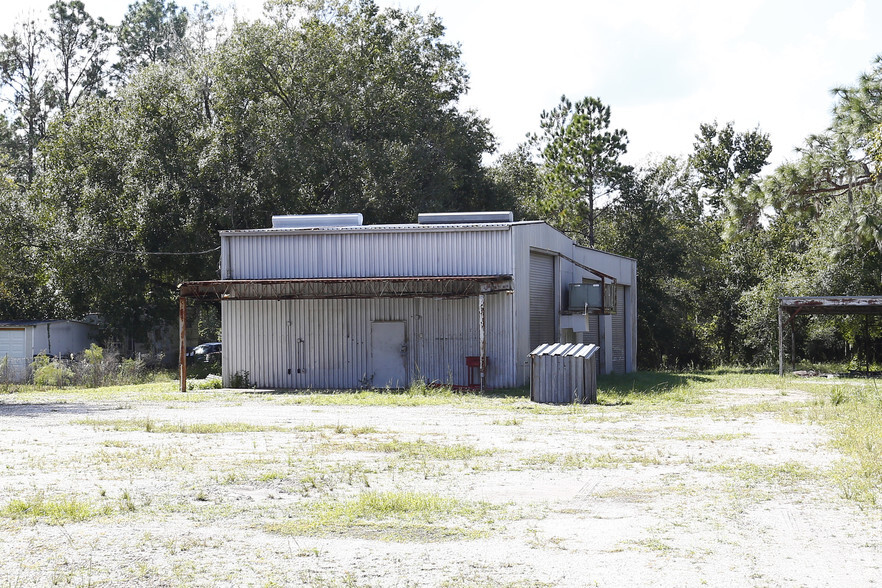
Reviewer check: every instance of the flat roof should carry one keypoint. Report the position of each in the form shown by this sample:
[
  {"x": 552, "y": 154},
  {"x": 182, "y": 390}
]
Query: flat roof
[{"x": 409, "y": 227}]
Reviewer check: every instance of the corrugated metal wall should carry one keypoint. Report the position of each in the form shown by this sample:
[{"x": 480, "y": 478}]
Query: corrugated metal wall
[
  {"x": 326, "y": 344},
  {"x": 367, "y": 253}
]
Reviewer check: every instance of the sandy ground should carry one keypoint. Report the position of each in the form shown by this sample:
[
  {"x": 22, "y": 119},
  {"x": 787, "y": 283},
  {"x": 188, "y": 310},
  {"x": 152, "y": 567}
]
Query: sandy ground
[{"x": 599, "y": 496}]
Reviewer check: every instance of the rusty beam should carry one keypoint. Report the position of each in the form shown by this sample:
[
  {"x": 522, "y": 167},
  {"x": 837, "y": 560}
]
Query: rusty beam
[
  {"x": 482, "y": 328},
  {"x": 832, "y": 305},
  {"x": 327, "y": 288},
  {"x": 182, "y": 320}
]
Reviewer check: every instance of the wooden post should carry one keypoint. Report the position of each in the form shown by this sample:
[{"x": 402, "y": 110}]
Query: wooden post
[
  {"x": 182, "y": 319},
  {"x": 793, "y": 342},
  {"x": 780, "y": 341}
]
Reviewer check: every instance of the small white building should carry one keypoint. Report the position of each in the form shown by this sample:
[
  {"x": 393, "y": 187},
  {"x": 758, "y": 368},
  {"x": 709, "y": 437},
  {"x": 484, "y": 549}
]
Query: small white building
[
  {"x": 21, "y": 341},
  {"x": 325, "y": 302}
]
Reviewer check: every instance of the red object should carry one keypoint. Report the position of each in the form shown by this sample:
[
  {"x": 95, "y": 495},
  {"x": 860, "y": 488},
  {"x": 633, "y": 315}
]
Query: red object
[{"x": 473, "y": 362}]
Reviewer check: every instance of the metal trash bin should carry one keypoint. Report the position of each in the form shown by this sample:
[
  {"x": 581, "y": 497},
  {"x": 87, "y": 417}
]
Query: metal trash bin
[{"x": 564, "y": 373}]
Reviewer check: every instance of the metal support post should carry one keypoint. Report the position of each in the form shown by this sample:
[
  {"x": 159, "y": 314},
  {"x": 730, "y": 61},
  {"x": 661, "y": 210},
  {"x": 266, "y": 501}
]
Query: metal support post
[
  {"x": 483, "y": 336},
  {"x": 780, "y": 341},
  {"x": 182, "y": 319}
]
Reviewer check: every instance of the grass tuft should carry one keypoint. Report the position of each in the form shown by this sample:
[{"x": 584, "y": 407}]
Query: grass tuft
[
  {"x": 393, "y": 516},
  {"x": 57, "y": 510}
]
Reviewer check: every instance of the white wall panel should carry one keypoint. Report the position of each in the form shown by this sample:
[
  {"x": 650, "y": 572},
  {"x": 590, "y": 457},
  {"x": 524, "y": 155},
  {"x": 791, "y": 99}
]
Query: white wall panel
[{"x": 366, "y": 253}]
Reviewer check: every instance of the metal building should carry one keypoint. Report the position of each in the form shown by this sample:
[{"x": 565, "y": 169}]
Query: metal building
[
  {"x": 21, "y": 341},
  {"x": 326, "y": 302}
]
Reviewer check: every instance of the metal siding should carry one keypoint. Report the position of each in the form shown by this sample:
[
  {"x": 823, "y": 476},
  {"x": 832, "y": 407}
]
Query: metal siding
[
  {"x": 368, "y": 254},
  {"x": 563, "y": 373},
  {"x": 618, "y": 332},
  {"x": 542, "y": 287},
  {"x": 330, "y": 340}
]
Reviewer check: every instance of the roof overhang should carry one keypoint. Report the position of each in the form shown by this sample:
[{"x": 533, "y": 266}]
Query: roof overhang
[
  {"x": 832, "y": 305},
  {"x": 321, "y": 288}
]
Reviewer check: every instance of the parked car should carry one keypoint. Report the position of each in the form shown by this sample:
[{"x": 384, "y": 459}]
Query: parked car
[{"x": 205, "y": 352}]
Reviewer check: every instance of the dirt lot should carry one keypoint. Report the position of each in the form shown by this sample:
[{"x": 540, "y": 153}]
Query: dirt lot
[{"x": 225, "y": 488}]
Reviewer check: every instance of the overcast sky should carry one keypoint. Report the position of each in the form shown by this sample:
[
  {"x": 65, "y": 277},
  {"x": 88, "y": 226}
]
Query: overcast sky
[{"x": 664, "y": 66}]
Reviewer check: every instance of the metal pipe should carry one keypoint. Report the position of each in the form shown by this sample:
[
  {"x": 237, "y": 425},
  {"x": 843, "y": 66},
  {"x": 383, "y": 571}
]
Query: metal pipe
[
  {"x": 482, "y": 328},
  {"x": 182, "y": 320}
]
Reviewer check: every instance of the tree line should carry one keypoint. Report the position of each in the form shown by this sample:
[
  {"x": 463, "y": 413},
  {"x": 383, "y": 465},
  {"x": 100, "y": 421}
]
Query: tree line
[{"x": 123, "y": 151}]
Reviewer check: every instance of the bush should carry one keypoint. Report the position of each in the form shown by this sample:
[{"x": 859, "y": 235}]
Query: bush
[
  {"x": 131, "y": 371},
  {"x": 7, "y": 383},
  {"x": 241, "y": 379},
  {"x": 93, "y": 368},
  {"x": 51, "y": 373}
]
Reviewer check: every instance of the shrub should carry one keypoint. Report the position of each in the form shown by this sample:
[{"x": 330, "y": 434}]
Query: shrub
[
  {"x": 51, "y": 373},
  {"x": 241, "y": 379},
  {"x": 131, "y": 371}
]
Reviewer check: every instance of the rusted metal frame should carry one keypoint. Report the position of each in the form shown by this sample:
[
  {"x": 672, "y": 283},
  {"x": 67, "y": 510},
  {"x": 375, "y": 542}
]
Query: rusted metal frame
[
  {"x": 819, "y": 305},
  {"x": 345, "y": 288},
  {"x": 793, "y": 314},
  {"x": 182, "y": 320},
  {"x": 603, "y": 277},
  {"x": 780, "y": 341},
  {"x": 482, "y": 330}
]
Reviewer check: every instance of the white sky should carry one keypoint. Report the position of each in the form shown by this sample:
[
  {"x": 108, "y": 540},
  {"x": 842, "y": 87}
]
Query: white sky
[{"x": 664, "y": 66}]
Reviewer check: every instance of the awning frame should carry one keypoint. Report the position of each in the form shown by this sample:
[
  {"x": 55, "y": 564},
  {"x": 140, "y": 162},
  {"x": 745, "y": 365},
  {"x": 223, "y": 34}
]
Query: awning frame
[
  {"x": 819, "y": 305},
  {"x": 341, "y": 288}
]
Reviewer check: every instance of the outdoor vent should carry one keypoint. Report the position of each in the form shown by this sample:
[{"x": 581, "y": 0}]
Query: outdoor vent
[
  {"x": 450, "y": 218},
  {"x": 309, "y": 221}
]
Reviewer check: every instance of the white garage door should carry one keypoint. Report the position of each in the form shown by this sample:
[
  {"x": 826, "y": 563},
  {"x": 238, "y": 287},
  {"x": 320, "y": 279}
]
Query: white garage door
[{"x": 12, "y": 343}]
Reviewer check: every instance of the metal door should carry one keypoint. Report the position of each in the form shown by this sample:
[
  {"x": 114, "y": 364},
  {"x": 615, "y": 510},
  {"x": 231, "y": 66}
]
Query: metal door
[{"x": 388, "y": 353}]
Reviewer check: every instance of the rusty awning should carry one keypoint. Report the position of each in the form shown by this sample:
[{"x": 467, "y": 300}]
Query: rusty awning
[
  {"x": 832, "y": 305},
  {"x": 796, "y": 306},
  {"x": 325, "y": 288},
  {"x": 318, "y": 288}
]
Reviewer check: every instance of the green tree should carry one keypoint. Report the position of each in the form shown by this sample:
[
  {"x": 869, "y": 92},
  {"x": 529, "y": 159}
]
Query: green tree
[
  {"x": 80, "y": 45},
  {"x": 727, "y": 164},
  {"x": 25, "y": 76},
  {"x": 27, "y": 290},
  {"x": 644, "y": 223},
  {"x": 125, "y": 192},
  {"x": 342, "y": 106},
  {"x": 517, "y": 179},
  {"x": 580, "y": 164},
  {"x": 347, "y": 108},
  {"x": 152, "y": 31}
]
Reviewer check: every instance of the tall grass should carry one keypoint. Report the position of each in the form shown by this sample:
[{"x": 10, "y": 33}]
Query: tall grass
[{"x": 854, "y": 413}]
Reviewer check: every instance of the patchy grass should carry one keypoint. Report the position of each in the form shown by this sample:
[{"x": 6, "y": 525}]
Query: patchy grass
[
  {"x": 572, "y": 461},
  {"x": 854, "y": 414},
  {"x": 393, "y": 516},
  {"x": 417, "y": 450},
  {"x": 57, "y": 510},
  {"x": 150, "y": 426},
  {"x": 784, "y": 474}
]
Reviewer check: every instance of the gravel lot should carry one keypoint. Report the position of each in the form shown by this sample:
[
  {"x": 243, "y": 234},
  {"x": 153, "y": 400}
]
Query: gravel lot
[{"x": 230, "y": 489}]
